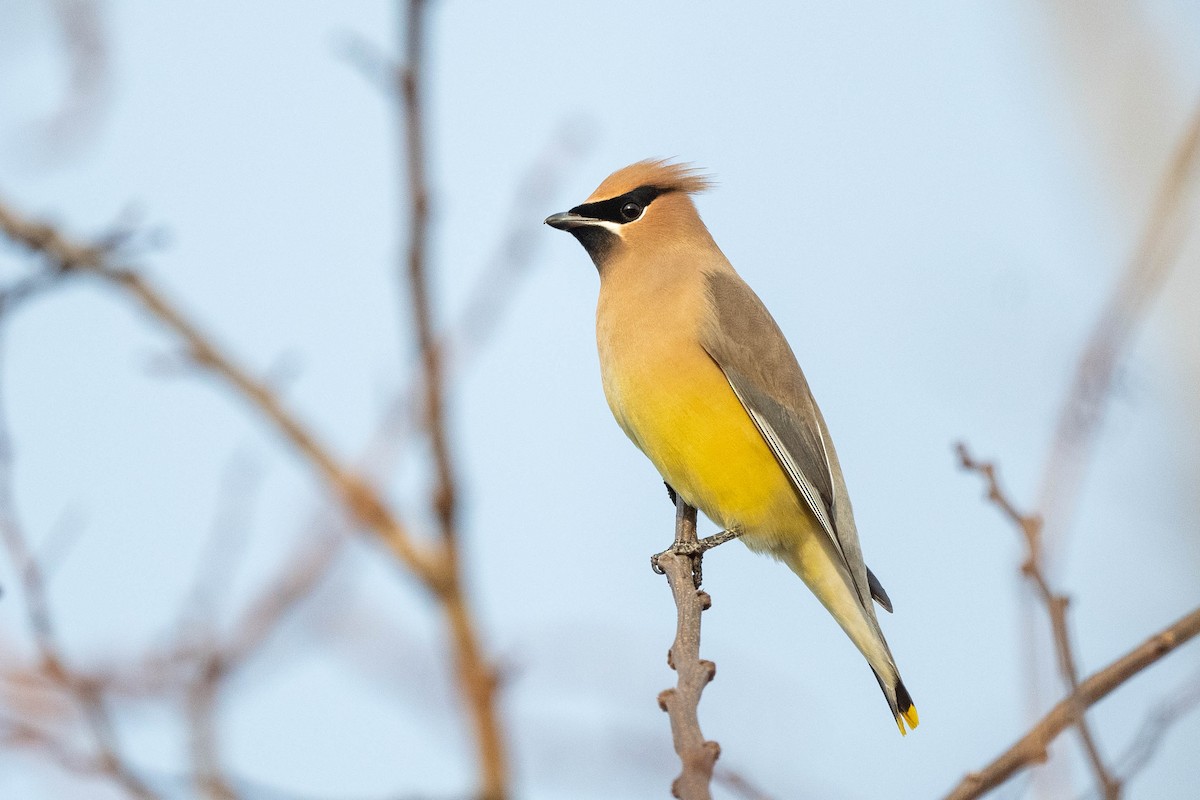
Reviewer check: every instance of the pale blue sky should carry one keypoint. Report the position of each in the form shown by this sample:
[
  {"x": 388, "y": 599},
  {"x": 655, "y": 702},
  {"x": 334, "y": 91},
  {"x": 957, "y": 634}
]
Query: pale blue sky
[{"x": 913, "y": 190}]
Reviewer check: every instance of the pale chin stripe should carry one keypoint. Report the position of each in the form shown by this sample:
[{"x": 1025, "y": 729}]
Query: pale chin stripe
[{"x": 611, "y": 227}]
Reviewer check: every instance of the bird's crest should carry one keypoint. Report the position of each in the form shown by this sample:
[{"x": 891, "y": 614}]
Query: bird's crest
[{"x": 659, "y": 173}]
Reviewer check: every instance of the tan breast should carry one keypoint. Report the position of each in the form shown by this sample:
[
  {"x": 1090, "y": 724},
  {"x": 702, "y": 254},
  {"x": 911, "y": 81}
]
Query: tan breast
[{"x": 646, "y": 328}]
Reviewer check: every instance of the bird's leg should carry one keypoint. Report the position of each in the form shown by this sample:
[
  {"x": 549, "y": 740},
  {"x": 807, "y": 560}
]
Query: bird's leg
[
  {"x": 696, "y": 549},
  {"x": 702, "y": 546},
  {"x": 709, "y": 542},
  {"x": 686, "y": 543},
  {"x": 671, "y": 493}
]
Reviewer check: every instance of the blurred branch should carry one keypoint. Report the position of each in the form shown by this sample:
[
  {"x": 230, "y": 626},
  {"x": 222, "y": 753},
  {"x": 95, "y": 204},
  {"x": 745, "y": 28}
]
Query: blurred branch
[
  {"x": 476, "y": 676},
  {"x": 197, "y": 628},
  {"x": 1032, "y": 747},
  {"x": 14, "y": 296},
  {"x": 60, "y": 540},
  {"x": 356, "y": 495},
  {"x": 263, "y": 615},
  {"x": 217, "y": 661},
  {"x": 1154, "y": 728},
  {"x": 209, "y": 778},
  {"x": 513, "y": 256},
  {"x": 492, "y": 294},
  {"x": 18, "y": 734},
  {"x": 494, "y": 288},
  {"x": 87, "y": 695},
  {"x": 371, "y": 62},
  {"x": 1171, "y": 219},
  {"x": 226, "y": 544},
  {"x": 84, "y": 41},
  {"x": 738, "y": 784},
  {"x": 413, "y": 149},
  {"x": 681, "y": 703},
  {"x": 1056, "y": 607},
  {"x": 435, "y": 567}
]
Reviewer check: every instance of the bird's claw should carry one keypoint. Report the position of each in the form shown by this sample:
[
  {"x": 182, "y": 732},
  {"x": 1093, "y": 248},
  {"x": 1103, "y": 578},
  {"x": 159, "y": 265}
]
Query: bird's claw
[
  {"x": 690, "y": 550},
  {"x": 694, "y": 551}
]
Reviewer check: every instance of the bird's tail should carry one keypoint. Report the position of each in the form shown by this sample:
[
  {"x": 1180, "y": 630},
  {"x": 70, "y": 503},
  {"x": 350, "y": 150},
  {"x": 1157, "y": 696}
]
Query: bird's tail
[
  {"x": 900, "y": 702},
  {"x": 821, "y": 569}
]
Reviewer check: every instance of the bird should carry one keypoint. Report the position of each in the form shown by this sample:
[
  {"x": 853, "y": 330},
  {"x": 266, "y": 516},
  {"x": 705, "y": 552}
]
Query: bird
[{"x": 700, "y": 377}]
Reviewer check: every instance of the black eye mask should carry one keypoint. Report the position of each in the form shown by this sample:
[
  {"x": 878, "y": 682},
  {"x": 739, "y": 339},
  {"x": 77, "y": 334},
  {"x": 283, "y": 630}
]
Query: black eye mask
[{"x": 615, "y": 209}]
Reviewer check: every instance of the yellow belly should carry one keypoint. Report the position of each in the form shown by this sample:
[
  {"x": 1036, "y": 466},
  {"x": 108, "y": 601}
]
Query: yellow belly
[{"x": 684, "y": 416}]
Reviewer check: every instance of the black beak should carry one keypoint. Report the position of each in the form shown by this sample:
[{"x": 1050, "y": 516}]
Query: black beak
[{"x": 567, "y": 220}]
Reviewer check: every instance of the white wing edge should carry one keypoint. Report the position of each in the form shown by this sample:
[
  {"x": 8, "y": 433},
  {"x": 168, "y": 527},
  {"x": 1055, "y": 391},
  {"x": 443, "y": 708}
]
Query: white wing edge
[{"x": 809, "y": 492}]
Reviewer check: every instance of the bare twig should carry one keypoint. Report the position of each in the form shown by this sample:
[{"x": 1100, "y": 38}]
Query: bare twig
[
  {"x": 493, "y": 290},
  {"x": 109, "y": 759},
  {"x": 24, "y": 290},
  {"x": 21, "y": 734},
  {"x": 1056, "y": 607},
  {"x": 210, "y": 779},
  {"x": 308, "y": 566},
  {"x": 1031, "y": 748},
  {"x": 681, "y": 703},
  {"x": 413, "y": 149},
  {"x": 488, "y": 299},
  {"x": 476, "y": 676},
  {"x": 1169, "y": 223},
  {"x": 514, "y": 254},
  {"x": 58, "y": 542},
  {"x": 356, "y": 494},
  {"x": 215, "y": 661},
  {"x": 226, "y": 544},
  {"x": 196, "y": 630},
  {"x": 435, "y": 566}
]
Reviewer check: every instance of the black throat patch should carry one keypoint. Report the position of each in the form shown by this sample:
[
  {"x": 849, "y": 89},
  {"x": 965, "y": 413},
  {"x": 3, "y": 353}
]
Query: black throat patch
[{"x": 596, "y": 240}]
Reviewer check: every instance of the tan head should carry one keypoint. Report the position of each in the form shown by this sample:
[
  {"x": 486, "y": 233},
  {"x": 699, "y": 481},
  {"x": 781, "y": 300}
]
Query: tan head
[{"x": 639, "y": 210}]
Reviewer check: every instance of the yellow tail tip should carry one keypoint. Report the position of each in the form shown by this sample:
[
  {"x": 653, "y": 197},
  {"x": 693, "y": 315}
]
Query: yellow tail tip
[{"x": 908, "y": 715}]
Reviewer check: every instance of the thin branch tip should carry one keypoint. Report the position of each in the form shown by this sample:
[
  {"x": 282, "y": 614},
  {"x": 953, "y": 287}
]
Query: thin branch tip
[{"x": 1032, "y": 747}]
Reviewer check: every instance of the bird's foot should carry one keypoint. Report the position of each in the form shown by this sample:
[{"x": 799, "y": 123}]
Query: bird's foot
[{"x": 694, "y": 551}]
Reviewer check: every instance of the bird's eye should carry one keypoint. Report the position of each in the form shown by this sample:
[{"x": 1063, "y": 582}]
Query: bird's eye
[{"x": 630, "y": 212}]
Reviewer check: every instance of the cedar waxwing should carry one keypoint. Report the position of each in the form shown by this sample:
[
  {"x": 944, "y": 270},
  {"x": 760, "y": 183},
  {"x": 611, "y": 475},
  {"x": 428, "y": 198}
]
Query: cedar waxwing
[{"x": 699, "y": 376}]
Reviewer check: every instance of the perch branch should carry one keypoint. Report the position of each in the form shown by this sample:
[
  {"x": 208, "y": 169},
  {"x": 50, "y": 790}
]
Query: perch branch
[
  {"x": 1031, "y": 748},
  {"x": 696, "y": 755},
  {"x": 1056, "y": 607}
]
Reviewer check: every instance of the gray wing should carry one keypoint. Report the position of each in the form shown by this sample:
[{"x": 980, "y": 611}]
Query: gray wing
[{"x": 748, "y": 346}]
